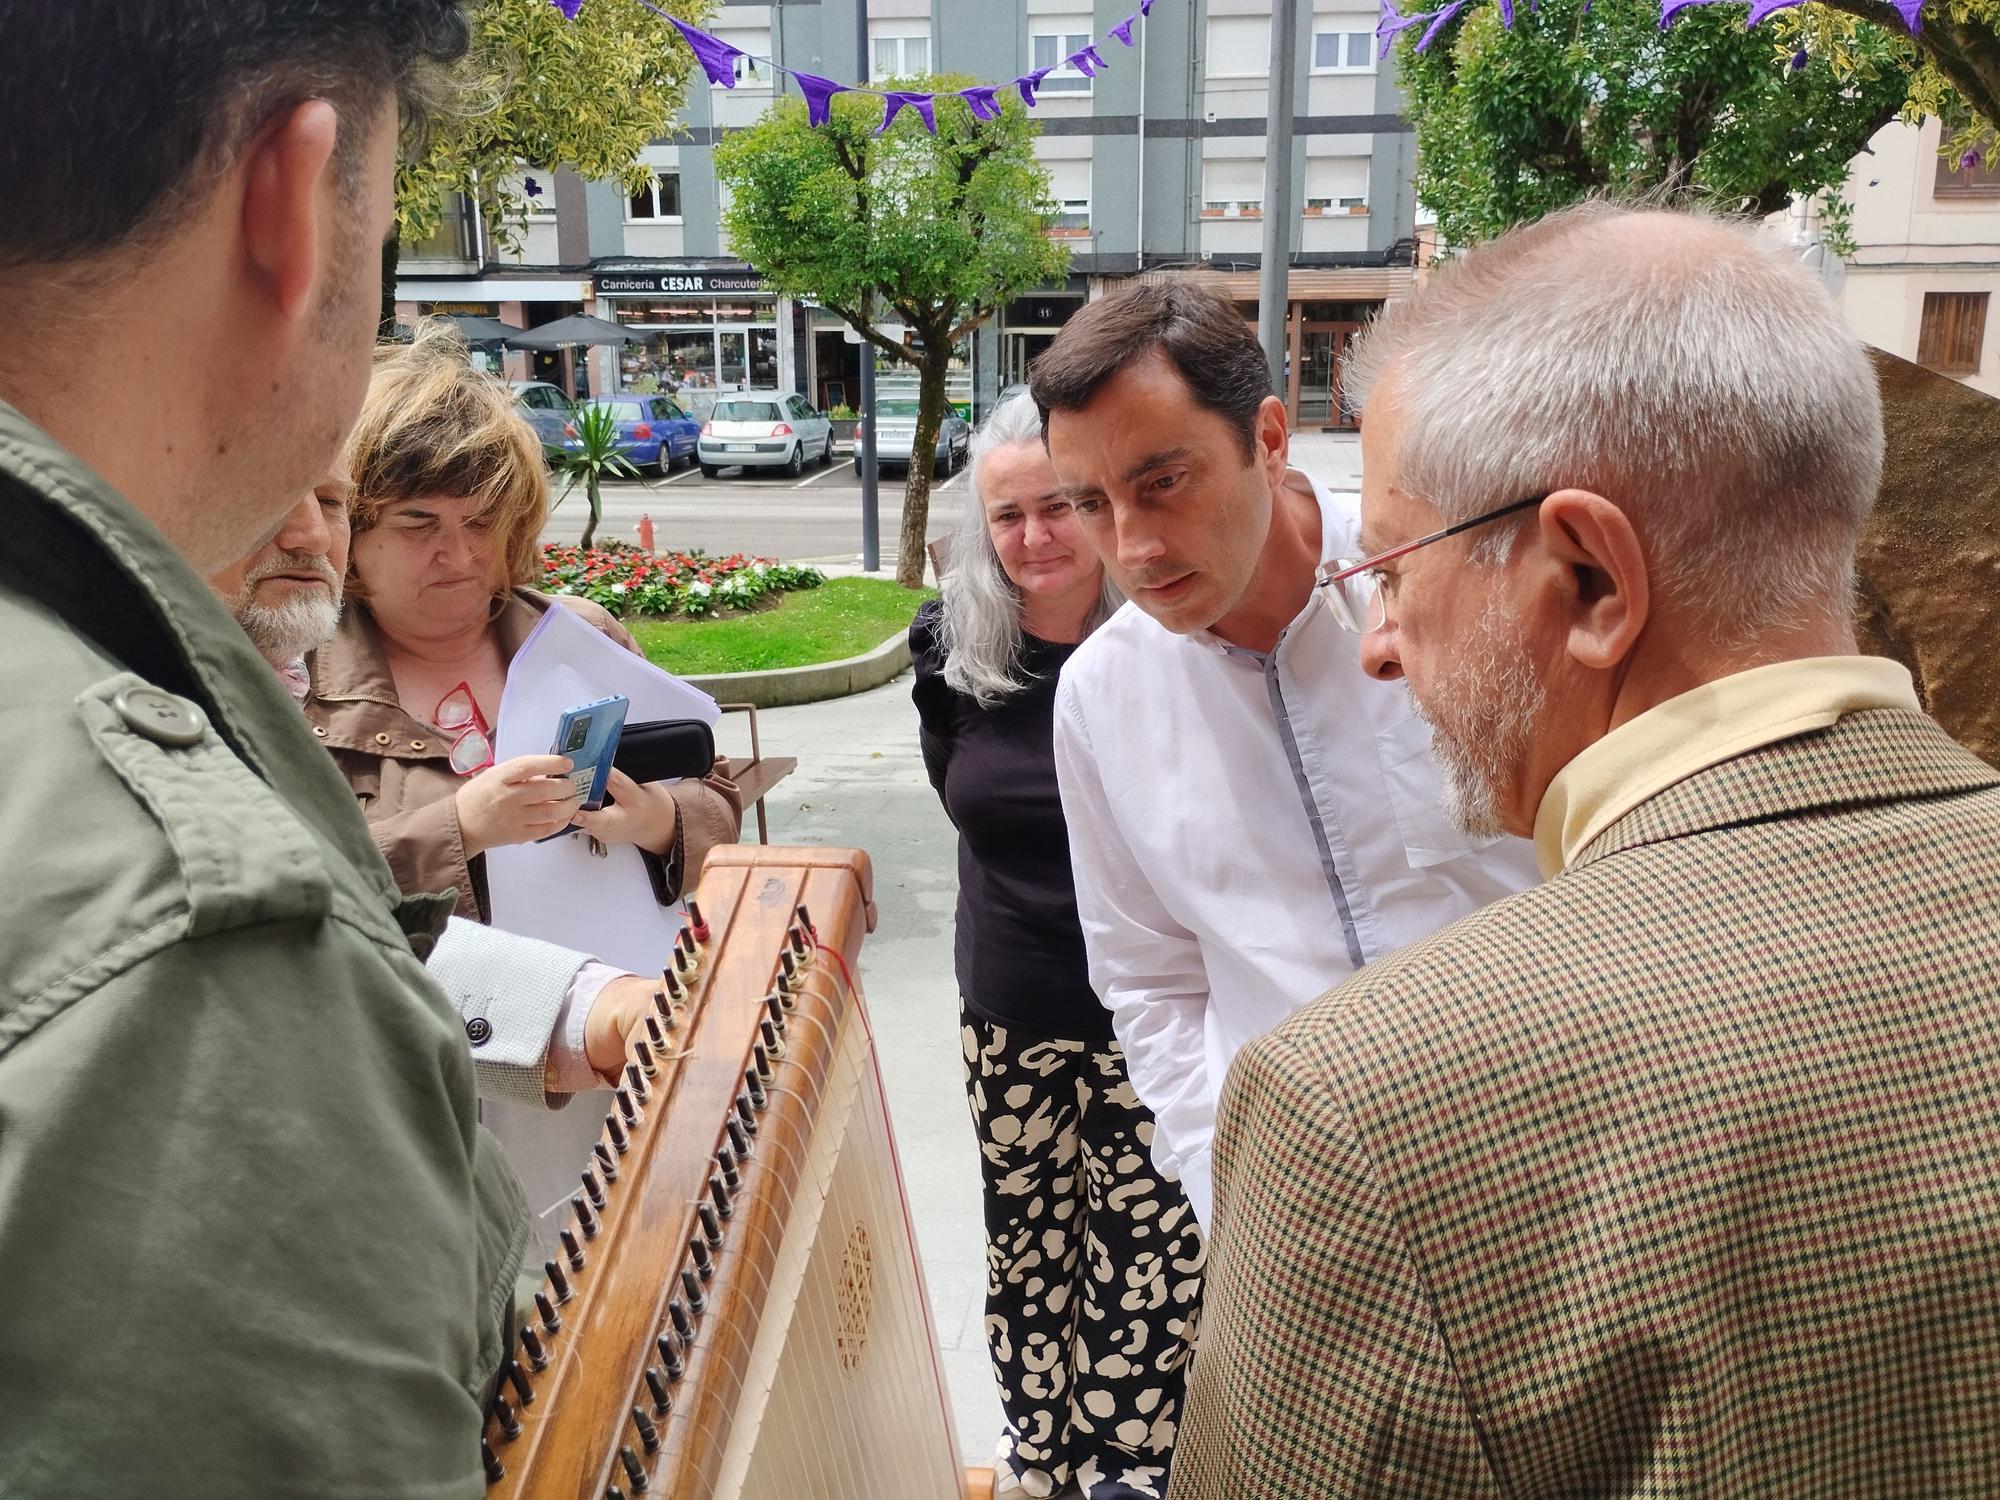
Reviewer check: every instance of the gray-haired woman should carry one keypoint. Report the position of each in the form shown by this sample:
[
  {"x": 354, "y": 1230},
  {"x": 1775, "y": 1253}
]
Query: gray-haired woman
[{"x": 1093, "y": 1260}]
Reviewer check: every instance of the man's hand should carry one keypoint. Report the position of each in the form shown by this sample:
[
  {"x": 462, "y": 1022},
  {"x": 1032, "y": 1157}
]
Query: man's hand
[
  {"x": 618, "y": 1011},
  {"x": 636, "y": 814},
  {"x": 515, "y": 802}
]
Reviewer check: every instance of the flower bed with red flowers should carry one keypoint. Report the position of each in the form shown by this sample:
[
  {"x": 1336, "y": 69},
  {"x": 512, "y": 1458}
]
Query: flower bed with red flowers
[{"x": 628, "y": 581}]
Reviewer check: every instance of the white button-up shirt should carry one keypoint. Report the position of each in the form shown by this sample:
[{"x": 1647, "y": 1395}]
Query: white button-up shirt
[{"x": 1247, "y": 830}]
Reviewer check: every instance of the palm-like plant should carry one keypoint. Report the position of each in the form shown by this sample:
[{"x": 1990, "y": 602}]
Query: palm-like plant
[{"x": 599, "y": 454}]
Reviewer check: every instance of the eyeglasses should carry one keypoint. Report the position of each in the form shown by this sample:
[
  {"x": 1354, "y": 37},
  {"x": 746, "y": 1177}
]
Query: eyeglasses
[
  {"x": 1353, "y": 590},
  {"x": 457, "y": 713}
]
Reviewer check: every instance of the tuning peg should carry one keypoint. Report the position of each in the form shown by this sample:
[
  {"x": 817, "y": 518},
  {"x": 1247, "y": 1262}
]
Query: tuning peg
[
  {"x": 719, "y": 1196},
  {"x": 634, "y": 1470},
  {"x": 683, "y": 1324},
  {"x": 616, "y": 1129},
  {"x": 800, "y": 945},
  {"x": 676, "y": 991},
  {"x": 649, "y": 1435},
  {"x": 776, "y": 1005},
  {"x": 531, "y": 1344},
  {"x": 572, "y": 1249},
  {"x": 711, "y": 1226},
  {"x": 767, "y": 1048},
  {"x": 656, "y": 1385},
  {"x": 805, "y": 920},
  {"x": 753, "y": 1079},
  {"x": 745, "y": 1114},
  {"x": 697, "y": 924},
  {"x": 691, "y": 1284},
  {"x": 643, "y": 1050},
  {"x": 683, "y": 963},
  {"x": 517, "y": 1378},
  {"x": 593, "y": 1189},
  {"x": 704, "y": 1258},
  {"x": 547, "y": 1310},
  {"x": 585, "y": 1219},
  {"x": 663, "y": 1012},
  {"x": 558, "y": 1280},
  {"x": 670, "y": 1355},
  {"x": 656, "y": 1034},
  {"x": 726, "y": 1160},
  {"x": 625, "y": 1105},
  {"x": 788, "y": 977},
  {"x": 739, "y": 1137},
  {"x": 607, "y": 1164},
  {"x": 635, "y": 1079},
  {"x": 495, "y": 1470},
  {"x": 503, "y": 1413}
]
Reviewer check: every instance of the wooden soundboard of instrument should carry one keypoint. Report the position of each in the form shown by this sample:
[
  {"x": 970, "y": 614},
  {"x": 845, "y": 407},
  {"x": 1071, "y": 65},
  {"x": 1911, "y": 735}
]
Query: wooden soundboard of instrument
[{"x": 736, "y": 1307}]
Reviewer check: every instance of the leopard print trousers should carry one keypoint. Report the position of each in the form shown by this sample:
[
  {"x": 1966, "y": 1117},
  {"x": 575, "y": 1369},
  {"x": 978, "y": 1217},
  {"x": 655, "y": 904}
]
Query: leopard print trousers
[{"x": 1093, "y": 1266}]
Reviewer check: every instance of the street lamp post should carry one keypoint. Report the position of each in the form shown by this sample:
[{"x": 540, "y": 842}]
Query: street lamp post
[{"x": 864, "y": 454}]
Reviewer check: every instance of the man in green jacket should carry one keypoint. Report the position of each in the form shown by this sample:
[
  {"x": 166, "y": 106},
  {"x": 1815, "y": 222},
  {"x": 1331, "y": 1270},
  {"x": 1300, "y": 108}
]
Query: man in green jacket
[{"x": 252, "y": 1241}]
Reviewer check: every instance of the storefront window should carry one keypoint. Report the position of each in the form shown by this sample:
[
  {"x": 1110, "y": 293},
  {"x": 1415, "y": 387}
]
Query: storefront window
[
  {"x": 734, "y": 346},
  {"x": 699, "y": 344}
]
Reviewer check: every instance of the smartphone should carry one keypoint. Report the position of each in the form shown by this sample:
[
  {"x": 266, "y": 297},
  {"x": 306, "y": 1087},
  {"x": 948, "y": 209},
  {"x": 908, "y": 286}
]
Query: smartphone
[{"x": 588, "y": 734}]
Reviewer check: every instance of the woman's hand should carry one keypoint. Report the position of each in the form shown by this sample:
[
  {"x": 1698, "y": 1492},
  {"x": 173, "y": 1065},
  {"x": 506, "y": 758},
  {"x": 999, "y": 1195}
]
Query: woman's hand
[
  {"x": 636, "y": 814},
  {"x": 515, "y": 802}
]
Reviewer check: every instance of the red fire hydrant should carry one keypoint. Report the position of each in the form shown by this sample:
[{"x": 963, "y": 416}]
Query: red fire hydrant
[{"x": 646, "y": 533}]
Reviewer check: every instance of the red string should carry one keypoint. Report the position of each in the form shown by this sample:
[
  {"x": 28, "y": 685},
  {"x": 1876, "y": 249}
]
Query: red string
[{"x": 845, "y": 974}]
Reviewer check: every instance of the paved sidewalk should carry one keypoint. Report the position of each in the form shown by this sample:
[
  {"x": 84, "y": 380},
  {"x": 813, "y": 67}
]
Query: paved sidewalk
[{"x": 860, "y": 783}]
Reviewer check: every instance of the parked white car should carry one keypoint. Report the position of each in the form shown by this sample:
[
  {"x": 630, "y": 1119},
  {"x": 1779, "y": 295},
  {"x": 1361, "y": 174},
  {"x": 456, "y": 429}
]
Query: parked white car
[{"x": 765, "y": 431}]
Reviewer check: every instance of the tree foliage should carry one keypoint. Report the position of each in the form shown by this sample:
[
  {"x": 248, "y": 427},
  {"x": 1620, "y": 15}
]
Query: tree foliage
[
  {"x": 932, "y": 232},
  {"x": 1591, "y": 96},
  {"x": 540, "y": 92}
]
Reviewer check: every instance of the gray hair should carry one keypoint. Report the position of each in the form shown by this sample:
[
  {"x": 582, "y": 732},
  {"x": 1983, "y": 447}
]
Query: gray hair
[
  {"x": 980, "y": 632},
  {"x": 1680, "y": 364}
]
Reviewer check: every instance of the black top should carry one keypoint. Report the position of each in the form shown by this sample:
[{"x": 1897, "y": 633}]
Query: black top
[{"x": 1019, "y": 950}]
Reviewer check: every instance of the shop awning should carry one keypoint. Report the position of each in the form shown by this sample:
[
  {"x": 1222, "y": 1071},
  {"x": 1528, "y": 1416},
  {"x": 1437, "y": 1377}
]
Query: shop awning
[
  {"x": 1309, "y": 284},
  {"x": 475, "y": 329},
  {"x": 568, "y": 333}
]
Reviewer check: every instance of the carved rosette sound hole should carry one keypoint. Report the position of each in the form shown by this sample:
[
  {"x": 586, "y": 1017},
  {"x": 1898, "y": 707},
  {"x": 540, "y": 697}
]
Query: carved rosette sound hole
[{"x": 857, "y": 1298}]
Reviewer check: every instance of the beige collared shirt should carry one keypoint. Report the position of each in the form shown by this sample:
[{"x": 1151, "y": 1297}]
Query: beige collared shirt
[{"x": 1701, "y": 728}]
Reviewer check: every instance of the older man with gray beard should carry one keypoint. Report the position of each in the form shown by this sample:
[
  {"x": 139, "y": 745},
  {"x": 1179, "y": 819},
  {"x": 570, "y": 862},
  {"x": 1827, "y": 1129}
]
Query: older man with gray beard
[
  {"x": 1678, "y": 1174},
  {"x": 544, "y": 1022}
]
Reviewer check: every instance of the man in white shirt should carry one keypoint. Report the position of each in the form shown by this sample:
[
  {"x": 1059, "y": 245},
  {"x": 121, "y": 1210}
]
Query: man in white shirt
[
  {"x": 1251, "y": 818},
  {"x": 544, "y": 1022}
]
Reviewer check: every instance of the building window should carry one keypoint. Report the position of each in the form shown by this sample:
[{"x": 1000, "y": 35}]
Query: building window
[
  {"x": 1232, "y": 188},
  {"x": 1069, "y": 186},
  {"x": 755, "y": 44},
  {"x": 906, "y": 56},
  {"x": 1981, "y": 181},
  {"x": 1048, "y": 49},
  {"x": 455, "y": 238},
  {"x": 1336, "y": 185},
  {"x": 1343, "y": 51},
  {"x": 658, "y": 202},
  {"x": 1953, "y": 335},
  {"x": 1239, "y": 46}
]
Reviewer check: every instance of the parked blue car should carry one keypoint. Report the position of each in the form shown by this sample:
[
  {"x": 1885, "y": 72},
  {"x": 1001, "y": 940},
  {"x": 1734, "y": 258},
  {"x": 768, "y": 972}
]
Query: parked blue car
[{"x": 657, "y": 434}]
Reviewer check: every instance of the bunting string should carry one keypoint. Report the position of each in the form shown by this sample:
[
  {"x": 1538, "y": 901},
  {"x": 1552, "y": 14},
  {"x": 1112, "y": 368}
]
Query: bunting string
[
  {"x": 719, "y": 61},
  {"x": 1394, "y": 23}
]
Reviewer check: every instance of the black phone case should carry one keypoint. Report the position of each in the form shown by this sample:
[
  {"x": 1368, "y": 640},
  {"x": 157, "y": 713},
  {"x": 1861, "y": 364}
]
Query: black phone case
[{"x": 663, "y": 749}]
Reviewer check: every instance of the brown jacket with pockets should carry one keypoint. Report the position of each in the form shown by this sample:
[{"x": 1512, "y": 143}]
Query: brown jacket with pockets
[{"x": 399, "y": 767}]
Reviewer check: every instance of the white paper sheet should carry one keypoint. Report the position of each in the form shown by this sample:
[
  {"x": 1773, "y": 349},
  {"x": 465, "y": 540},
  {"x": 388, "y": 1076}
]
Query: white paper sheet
[{"x": 560, "y": 891}]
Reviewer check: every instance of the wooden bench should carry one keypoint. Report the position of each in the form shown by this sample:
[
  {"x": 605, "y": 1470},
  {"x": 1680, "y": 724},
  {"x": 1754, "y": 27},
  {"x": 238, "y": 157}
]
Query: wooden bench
[{"x": 756, "y": 777}]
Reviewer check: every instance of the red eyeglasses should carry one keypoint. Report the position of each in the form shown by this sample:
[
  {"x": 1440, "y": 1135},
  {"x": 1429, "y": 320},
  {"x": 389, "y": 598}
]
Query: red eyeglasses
[{"x": 457, "y": 713}]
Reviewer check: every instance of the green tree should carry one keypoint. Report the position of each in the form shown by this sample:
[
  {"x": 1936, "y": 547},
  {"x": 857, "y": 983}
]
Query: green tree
[
  {"x": 933, "y": 232},
  {"x": 540, "y": 92},
  {"x": 1590, "y": 96}
]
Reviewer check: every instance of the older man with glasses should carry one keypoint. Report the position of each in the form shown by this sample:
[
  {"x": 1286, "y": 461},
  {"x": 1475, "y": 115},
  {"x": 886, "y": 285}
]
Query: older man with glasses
[
  {"x": 1251, "y": 818},
  {"x": 1676, "y": 1175}
]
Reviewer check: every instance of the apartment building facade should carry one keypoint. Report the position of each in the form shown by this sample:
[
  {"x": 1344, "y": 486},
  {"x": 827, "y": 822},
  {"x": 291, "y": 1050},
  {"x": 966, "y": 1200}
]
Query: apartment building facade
[{"x": 1157, "y": 166}]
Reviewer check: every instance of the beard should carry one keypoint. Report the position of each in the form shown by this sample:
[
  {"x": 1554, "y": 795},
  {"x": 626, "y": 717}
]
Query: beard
[
  {"x": 297, "y": 625},
  {"x": 1483, "y": 712}
]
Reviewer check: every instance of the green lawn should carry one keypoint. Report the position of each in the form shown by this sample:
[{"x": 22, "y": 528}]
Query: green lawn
[{"x": 842, "y": 617}]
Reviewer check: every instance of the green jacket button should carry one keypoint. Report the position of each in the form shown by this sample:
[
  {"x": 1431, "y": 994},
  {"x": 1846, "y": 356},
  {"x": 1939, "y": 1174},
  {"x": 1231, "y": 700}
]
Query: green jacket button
[{"x": 161, "y": 717}]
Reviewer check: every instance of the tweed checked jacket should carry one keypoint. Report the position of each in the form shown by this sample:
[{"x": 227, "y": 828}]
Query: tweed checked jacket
[{"x": 1679, "y": 1175}]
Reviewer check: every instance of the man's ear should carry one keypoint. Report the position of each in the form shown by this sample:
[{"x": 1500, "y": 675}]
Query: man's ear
[
  {"x": 1271, "y": 437},
  {"x": 1600, "y": 573},
  {"x": 284, "y": 174}
]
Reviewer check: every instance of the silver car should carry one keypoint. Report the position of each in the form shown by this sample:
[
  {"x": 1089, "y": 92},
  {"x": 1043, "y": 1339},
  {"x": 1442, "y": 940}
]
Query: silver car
[
  {"x": 770, "y": 431},
  {"x": 896, "y": 430},
  {"x": 547, "y": 409}
]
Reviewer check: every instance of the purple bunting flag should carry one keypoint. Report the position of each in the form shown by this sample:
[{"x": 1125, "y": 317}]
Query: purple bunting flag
[
  {"x": 1760, "y": 9},
  {"x": 1123, "y": 30},
  {"x": 1027, "y": 83},
  {"x": 569, "y": 8},
  {"x": 1392, "y": 26},
  {"x": 984, "y": 105},
  {"x": 899, "y": 100},
  {"x": 1507, "y": 14},
  {"x": 717, "y": 57},
  {"x": 1145, "y": 7},
  {"x": 1438, "y": 23},
  {"x": 1086, "y": 62},
  {"x": 819, "y": 94},
  {"x": 1912, "y": 12}
]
